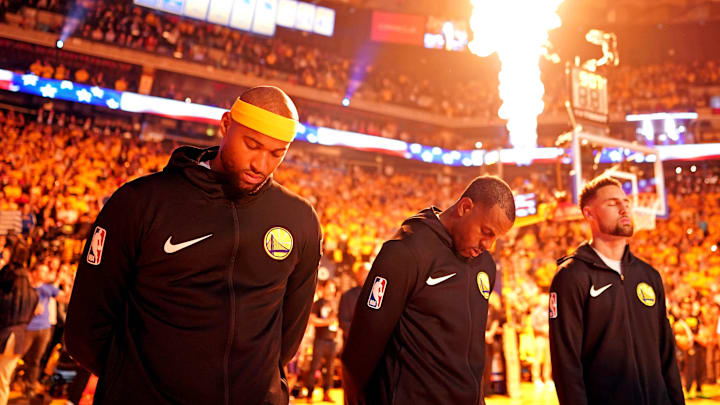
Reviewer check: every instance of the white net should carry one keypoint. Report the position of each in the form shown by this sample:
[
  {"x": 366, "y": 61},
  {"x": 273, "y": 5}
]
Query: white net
[{"x": 645, "y": 212}]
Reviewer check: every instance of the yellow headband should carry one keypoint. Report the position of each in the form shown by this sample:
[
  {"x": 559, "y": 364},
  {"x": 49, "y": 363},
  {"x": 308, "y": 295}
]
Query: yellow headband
[{"x": 264, "y": 121}]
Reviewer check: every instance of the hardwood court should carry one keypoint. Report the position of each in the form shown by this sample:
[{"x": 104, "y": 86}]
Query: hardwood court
[{"x": 528, "y": 396}]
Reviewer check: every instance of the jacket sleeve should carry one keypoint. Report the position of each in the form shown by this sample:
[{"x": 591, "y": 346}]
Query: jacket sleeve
[
  {"x": 670, "y": 370},
  {"x": 97, "y": 304},
  {"x": 566, "y": 332},
  {"x": 371, "y": 328},
  {"x": 299, "y": 293}
]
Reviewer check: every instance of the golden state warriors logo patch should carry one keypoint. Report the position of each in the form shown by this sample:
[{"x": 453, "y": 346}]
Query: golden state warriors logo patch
[
  {"x": 646, "y": 294},
  {"x": 278, "y": 243},
  {"x": 483, "y": 281}
]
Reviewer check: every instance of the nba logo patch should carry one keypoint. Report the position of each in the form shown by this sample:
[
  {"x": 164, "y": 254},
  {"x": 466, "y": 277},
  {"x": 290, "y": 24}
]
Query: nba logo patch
[
  {"x": 553, "y": 305},
  {"x": 97, "y": 244},
  {"x": 377, "y": 293}
]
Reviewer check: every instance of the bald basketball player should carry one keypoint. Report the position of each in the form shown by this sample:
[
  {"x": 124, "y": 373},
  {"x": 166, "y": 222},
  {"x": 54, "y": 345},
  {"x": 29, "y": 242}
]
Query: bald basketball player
[{"x": 197, "y": 282}]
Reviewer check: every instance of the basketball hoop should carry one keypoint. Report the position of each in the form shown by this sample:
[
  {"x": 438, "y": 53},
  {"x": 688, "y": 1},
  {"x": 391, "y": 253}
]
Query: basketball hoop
[{"x": 645, "y": 212}]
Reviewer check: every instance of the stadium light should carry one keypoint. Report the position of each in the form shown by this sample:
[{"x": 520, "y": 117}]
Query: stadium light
[
  {"x": 662, "y": 116},
  {"x": 670, "y": 129},
  {"x": 60, "y": 43},
  {"x": 345, "y": 102},
  {"x": 648, "y": 131}
]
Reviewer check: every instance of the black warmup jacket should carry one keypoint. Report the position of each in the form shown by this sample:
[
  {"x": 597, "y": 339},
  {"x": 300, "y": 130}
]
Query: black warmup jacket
[
  {"x": 425, "y": 344},
  {"x": 606, "y": 345},
  {"x": 171, "y": 315}
]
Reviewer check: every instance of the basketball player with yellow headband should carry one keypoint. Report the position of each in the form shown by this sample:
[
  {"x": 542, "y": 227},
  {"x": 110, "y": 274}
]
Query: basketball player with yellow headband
[
  {"x": 255, "y": 141},
  {"x": 196, "y": 283}
]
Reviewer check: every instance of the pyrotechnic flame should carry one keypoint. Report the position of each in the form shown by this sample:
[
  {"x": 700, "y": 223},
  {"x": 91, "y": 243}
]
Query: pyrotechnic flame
[{"x": 518, "y": 31}]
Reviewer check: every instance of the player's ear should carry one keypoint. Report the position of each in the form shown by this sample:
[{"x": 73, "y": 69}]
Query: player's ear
[
  {"x": 464, "y": 206},
  {"x": 587, "y": 213},
  {"x": 225, "y": 124}
]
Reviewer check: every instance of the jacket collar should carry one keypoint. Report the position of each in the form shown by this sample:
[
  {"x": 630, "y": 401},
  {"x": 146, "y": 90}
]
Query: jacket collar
[
  {"x": 186, "y": 160},
  {"x": 587, "y": 254}
]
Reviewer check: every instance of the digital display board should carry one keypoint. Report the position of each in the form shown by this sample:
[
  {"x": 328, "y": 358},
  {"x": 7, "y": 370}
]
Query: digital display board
[
  {"x": 397, "y": 28},
  {"x": 286, "y": 13},
  {"x": 242, "y": 14},
  {"x": 219, "y": 12},
  {"x": 324, "y": 21},
  {"x": 444, "y": 34},
  {"x": 589, "y": 95},
  {"x": 305, "y": 16},
  {"x": 525, "y": 205},
  {"x": 196, "y": 8},
  {"x": 257, "y": 16},
  {"x": 264, "y": 20}
]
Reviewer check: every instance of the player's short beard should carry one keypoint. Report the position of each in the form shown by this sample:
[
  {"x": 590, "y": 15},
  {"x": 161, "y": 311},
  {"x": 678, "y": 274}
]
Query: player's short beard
[
  {"x": 618, "y": 230},
  {"x": 234, "y": 187}
]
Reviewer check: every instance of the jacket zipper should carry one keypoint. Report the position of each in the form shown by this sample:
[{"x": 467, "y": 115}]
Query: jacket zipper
[
  {"x": 628, "y": 326},
  {"x": 231, "y": 333},
  {"x": 469, "y": 338}
]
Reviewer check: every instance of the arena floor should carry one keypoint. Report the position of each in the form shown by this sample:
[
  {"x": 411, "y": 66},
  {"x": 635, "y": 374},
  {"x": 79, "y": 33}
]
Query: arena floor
[{"x": 528, "y": 397}]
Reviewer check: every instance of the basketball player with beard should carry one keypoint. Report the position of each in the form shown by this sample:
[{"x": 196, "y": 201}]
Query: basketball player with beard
[
  {"x": 197, "y": 282},
  {"x": 610, "y": 338}
]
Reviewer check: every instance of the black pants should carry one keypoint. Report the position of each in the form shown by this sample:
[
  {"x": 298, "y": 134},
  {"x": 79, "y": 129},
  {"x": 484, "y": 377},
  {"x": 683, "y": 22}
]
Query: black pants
[
  {"x": 323, "y": 349},
  {"x": 488, "y": 386},
  {"x": 695, "y": 367},
  {"x": 36, "y": 341}
]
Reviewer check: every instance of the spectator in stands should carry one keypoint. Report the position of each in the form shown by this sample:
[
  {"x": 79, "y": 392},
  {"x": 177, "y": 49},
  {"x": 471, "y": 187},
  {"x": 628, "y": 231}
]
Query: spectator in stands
[
  {"x": 324, "y": 318},
  {"x": 82, "y": 75},
  {"x": 39, "y": 331},
  {"x": 29, "y": 220},
  {"x": 696, "y": 360},
  {"x": 121, "y": 84},
  {"x": 348, "y": 301},
  {"x": 18, "y": 302},
  {"x": 494, "y": 356},
  {"x": 47, "y": 70},
  {"x": 37, "y": 68},
  {"x": 61, "y": 72},
  {"x": 541, "y": 372}
]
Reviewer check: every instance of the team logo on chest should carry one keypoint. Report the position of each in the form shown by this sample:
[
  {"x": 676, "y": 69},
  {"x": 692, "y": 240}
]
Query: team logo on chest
[
  {"x": 646, "y": 294},
  {"x": 483, "y": 282},
  {"x": 278, "y": 243}
]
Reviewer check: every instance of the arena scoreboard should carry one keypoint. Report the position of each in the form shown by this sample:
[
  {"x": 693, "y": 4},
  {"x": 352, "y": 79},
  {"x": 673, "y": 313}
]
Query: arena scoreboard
[
  {"x": 256, "y": 16},
  {"x": 588, "y": 95}
]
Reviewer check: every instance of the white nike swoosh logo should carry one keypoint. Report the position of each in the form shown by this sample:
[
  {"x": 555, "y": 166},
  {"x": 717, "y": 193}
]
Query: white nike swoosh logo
[
  {"x": 594, "y": 293},
  {"x": 170, "y": 248},
  {"x": 433, "y": 281}
]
